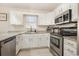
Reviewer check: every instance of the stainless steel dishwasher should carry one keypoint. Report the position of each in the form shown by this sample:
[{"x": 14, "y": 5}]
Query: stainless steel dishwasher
[{"x": 8, "y": 47}]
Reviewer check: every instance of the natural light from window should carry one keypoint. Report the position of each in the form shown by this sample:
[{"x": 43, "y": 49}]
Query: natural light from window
[{"x": 31, "y": 21}]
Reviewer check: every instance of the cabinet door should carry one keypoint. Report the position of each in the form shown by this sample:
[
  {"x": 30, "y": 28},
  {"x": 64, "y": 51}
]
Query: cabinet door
[
  {"x": 44, "y": 19},
  {"x": 52, "y": 17},
  {"x": 19, "y": 18},
  {"x": 35, "y": 41},
  {"x": 74, "y": 7},
  {"x": 29, "y": 41},
  {"x": 65, "y": 7},
  {"x": 70, "y": 50},
  {"x": 41, "y": 19},
  {"x": 17, "y": 44},
  {"x": 20, "y": 41},
  {"x": 43, "y": 41},
  {"x": 70, "y": 46},
  {"x": 48, "y": 19},
  {"x": 26, "y": 41},
  {"x": 59, "y": 10},
  {"x": 56, "y": 12},
  {"x": 16, "y": 18}
]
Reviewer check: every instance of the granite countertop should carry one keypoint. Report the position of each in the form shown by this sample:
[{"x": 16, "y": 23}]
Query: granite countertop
[
  {"x": 39, "y": 32},
  {"x": 6, "y": 35}
]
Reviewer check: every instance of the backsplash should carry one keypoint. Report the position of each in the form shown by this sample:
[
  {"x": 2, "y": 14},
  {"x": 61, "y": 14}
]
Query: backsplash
[{"x": 41, "y": 28}]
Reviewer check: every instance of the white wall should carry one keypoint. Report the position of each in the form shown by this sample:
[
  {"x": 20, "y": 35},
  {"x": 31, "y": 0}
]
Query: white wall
[{"x": 6, "y": 26}]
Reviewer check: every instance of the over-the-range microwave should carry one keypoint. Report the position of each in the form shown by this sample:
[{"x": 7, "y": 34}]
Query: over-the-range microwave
[{"x": 65, "y": 17}]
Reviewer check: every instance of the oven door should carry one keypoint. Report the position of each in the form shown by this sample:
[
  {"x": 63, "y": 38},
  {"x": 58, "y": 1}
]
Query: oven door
[{"x": 56, "y": 45}]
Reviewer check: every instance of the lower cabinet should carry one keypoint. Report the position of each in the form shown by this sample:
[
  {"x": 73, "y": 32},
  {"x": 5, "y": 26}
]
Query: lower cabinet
[
  {"x": 19, "y": 40},
  {"x": 69, "y": 51},
  {"x": 70, "y": 47},
  {"x": 44, "y": 42},
  {"x": 26, "y": 41},
  {"x": 35, "y": 40}
]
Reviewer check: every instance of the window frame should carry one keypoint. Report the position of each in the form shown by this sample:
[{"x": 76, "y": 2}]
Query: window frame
[{"x": 30, "y": 15}]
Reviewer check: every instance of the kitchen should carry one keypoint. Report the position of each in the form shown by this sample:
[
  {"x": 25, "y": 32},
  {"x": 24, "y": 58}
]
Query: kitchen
[{"x": 48, "y": 30}]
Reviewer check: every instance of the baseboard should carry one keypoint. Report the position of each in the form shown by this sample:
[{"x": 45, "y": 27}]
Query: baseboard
[
  {"x": 34, "y": 48},
  {"x": 30, "y": 49}
]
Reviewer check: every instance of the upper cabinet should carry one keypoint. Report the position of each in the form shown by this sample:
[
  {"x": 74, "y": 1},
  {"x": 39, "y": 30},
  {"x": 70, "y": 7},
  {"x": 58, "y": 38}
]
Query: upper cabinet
[
  {"x": 49, "y": 18},
  {"x": 41, "y": 19},
  {"x": 74, "y": 8},
  {"x": 75, "y": 12},
  {"x": 16, "y": 18},
  {"x": 64, "y": 7},
  {"x": 44, "y": 19}
]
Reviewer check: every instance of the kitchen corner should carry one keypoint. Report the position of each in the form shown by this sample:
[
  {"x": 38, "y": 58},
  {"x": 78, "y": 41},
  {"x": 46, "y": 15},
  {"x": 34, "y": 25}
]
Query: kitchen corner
[{"x": 5, "y": 38}]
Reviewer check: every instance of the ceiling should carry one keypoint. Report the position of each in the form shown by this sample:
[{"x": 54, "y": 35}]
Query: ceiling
[{"x": 32, "y": 6}]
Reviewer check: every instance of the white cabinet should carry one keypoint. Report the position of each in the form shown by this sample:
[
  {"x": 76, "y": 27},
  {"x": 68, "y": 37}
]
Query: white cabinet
[
  {"x": 15, "y": 18},
  {"x": 41, "y": 19},
  {"x": 51, "y": 17},
  {"x": 60, "y": 9},
  {"x": 26, "y": 41},
  {"x": 35, "y": 40},
  {"x": 75, "y": 12},
  {"x": 55, "y": 12},
  {"x": 45, "y": 19},
  {"x": 48, "y": 19},
  {"x": 74, "y": 7},
  {"x": 69, "y": 51},
  {"x": 43, "y": 42},
  {"x": 70, "y": 47},
  {"x": 19, "y": 39},
  {"x": 64, "y": 7},
  {"x": 17, "y": 44}
]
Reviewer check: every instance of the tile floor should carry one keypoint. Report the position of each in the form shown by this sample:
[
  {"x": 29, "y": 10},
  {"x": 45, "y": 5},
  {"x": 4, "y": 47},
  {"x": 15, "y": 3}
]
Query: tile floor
[{"x": 35, "y": 52}]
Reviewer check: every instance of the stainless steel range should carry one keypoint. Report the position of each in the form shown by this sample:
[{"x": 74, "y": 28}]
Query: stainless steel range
[
  {"x": 57, "y": 38},
  {"x": 56, "y": 44}
]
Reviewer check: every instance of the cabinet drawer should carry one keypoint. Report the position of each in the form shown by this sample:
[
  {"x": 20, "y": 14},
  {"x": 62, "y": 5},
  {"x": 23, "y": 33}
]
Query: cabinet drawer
[
  {"x": 70, "y": 43},
  {"x": 66, "y": 53},
  {"x": 24, "y": 35},
  {"x": 70, "y": 50}
]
